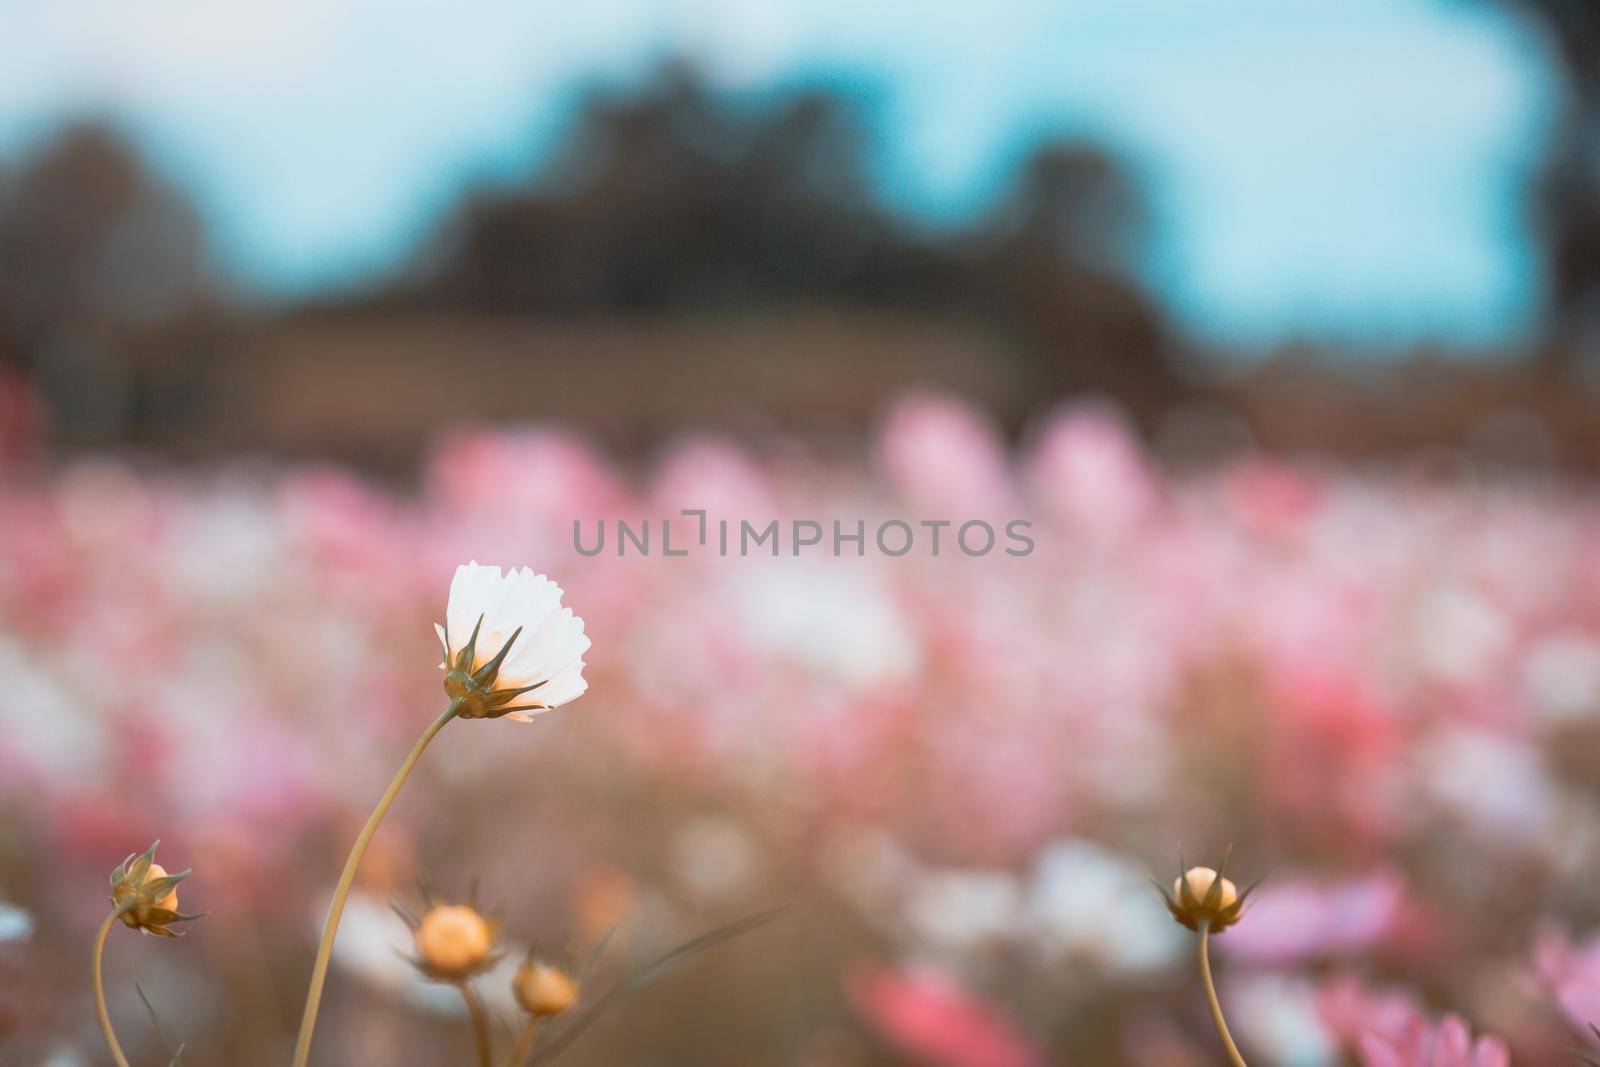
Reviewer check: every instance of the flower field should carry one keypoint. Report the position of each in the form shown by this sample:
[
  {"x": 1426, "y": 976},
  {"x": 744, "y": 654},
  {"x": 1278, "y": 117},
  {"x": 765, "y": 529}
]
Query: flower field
[{"x": 1381, "y": 686}]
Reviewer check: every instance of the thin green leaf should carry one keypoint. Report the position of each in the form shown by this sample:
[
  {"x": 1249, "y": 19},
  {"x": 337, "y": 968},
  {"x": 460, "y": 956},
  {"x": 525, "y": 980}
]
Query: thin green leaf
[
  {"x": 676, "y": 958},
  {"x": 161, "y": 1032}
]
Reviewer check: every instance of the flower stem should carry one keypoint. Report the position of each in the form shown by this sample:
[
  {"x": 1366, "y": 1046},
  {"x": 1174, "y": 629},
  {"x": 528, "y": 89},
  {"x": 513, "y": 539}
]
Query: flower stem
[
  {"x": 480, "y": 1024},
  {"x": 525, "y": 1042},
  {"x": 100, "y": 990},
  {"x": 1211, "y": 998},
  {"x": 319, "y": 969}
]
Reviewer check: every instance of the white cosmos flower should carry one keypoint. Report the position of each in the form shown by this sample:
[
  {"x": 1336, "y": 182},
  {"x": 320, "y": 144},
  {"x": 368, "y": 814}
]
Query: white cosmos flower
[{"x": 527, "y": 655}]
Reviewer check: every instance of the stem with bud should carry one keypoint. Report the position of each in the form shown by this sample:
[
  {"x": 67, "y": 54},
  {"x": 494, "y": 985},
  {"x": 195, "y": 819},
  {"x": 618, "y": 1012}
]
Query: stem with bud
[
  {"x": 1234, "y": 1057},
  {"x": 99, "y": 985},
  {"x": 319, "y": 969}
]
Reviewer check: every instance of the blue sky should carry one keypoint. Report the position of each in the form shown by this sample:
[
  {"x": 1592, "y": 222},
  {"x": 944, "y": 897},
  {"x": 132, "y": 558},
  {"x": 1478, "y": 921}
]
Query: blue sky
[{"x": 1342, "y": 169}]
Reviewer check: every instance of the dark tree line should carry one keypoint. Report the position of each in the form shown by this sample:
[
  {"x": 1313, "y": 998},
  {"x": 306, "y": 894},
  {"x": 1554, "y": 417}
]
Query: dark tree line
[{"x": 676, "y": 199}]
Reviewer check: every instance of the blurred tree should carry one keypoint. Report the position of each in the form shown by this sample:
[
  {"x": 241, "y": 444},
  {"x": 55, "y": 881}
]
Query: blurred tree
[
  {"x": 1074, "y": 202},
  {"x": 86, "y": 232},
  {"x": 675, "y": 198},
  {"x": 1567, "y": 194},
  {"x": 669, "y": 199},
  {"x": 1061, "y": 249},
  {"x": 94, "y": 252}
]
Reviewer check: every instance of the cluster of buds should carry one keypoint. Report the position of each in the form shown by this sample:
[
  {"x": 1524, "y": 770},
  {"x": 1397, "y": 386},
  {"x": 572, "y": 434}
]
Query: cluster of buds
[
  {"x": 146, "y": 896},
  {"x": 456, "y": 942},
  {"x": 1203, "y": 898}
]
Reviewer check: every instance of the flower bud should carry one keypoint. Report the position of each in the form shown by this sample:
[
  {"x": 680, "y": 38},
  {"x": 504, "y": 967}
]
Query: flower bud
[
  {"x": 1203, "y": 898},
  {"x": 146, "y": 896},
  {"x": 454, "y": 942},
  {"x": 544, "y": 990}
]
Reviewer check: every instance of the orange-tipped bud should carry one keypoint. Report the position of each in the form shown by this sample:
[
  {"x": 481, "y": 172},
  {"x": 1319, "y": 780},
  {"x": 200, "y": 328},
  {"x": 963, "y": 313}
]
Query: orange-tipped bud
[
  {"x": 454, "y": 941},
  {"x": 544, "y": 990}
]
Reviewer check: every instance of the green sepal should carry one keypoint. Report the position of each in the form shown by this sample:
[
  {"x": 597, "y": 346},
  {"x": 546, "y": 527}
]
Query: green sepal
[
  {"x": 141, "y": 867},
  {"x": 157, "y": 888},
  {"x": 464, "y": 658},
  {"x": 505, "y": 696},
  {"x": 486, "y": 674}
]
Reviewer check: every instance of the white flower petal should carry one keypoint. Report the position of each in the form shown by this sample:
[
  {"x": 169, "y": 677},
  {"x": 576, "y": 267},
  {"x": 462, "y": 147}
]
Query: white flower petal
[
  {"x": 474, "y": 593},
  {"x": 567, "y": 686}
]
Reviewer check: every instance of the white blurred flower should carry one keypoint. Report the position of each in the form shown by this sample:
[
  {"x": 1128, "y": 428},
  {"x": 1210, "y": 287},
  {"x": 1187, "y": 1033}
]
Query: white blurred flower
[
  {"x": 15, "y": 924},
  {"x": 868, "y": 866},
  {"x": 1459, "y": 632},
  {"x": 510, "y": 647},
  {"x": 832, "y": 621},
  {"x": 1280, "y": 1017},
  {"x": 45, "y": 725},
  {"x": 959, "y": 911},
  {"x": 1561, "y": 677},
  {"x": 715, "y": 857},
  {"x": 1088, "y": 902},
  {"x": 1496, "y": 784}
]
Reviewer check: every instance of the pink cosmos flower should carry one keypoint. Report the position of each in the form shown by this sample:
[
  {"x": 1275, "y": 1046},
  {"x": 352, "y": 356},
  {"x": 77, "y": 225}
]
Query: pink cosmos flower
[{"x": 1422, "y": 1044}]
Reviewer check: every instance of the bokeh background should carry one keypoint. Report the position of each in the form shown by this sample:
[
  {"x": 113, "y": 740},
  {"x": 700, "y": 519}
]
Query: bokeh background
[{"x": 1280, "y": 321}]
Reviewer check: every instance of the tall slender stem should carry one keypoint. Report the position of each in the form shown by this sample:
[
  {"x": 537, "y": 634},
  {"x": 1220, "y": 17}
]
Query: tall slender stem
[
  {"x": 1211, "y": 997},
  {"x": 100, "y": 989},
  {"x": 480, "y": 1024},
  {"x": 319, "y": 969}
]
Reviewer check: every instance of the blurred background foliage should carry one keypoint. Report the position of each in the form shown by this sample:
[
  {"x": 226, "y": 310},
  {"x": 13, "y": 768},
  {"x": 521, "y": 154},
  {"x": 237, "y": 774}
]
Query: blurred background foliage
[{"x": 755, "y": 220}]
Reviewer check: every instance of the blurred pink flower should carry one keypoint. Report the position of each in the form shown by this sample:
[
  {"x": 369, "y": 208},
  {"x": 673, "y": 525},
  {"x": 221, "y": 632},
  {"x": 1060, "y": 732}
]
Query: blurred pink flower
[
  {"x": 1294, "y": 921},
  {"x": 945, "y": 456},
  {"x": 1333, "y": 750},
  {"x": 714, "y": 476},
  {"x": 1088, "y": 471},
  {"x": 1420, "y": 1043},
  {"x": 515, "y": 494},
  {"x": 1571, "y": 973},
  {"x": 1350, "y": 1009},
  {"x": 928, "y": 1016},
  {"x": 1274, "y": 499}
]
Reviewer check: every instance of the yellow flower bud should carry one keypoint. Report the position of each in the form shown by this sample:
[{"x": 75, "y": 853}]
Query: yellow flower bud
[
  {"x": 544, "y": 990},
  {"x": 146, "y": 896},
  {"x": 453, "y": 941},
  {"x": 1203, "y": 898}
]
